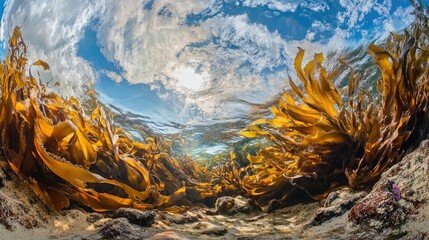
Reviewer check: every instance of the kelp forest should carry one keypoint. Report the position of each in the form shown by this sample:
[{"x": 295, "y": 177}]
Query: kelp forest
[{"x": 321, "y": 136}]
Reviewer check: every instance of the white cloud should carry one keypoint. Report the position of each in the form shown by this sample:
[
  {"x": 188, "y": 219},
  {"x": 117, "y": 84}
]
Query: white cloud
[
  {"x": 288, "y": 6},
  {"x": 356, "y": 10},
  {"x": 210, "y": 65},
  {"x": 400, "y": 17},
  {"x": 242, "y": 51},
  {"x": 113, "y": 75},
  {"x": 318, "y": 27},
  {"x": 145, "y": 43},
  {"x": 190, "y": 79},
  {"x": 52, "y": 30},
  {"x": 273, "y": 4}
]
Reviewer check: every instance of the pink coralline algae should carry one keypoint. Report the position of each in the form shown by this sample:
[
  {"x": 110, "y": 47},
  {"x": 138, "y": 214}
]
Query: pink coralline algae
[
  {"x": 380, "y": 205},
  {"x": 396, "y": 191}
]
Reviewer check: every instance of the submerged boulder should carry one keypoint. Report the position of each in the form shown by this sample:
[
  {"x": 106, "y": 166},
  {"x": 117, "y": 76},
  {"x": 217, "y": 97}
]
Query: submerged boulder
[
  {"x": 336, "y": 204},
  {"x": 401, "y": 195},
  {"x": 120, "y": 228},
  {"x": 169, "y": 235},
  {"x": 215, "y": 231},
  {"x": 229, "y": 205},
  {"x": 180, "y": 219},
  {"x": 135, "y": 216}
]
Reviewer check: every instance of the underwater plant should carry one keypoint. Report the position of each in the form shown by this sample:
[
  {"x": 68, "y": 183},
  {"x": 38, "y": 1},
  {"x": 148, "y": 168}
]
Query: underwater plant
[
  {"x": 321, "y": 137},
  {"x": 50, "y": 143},
  {"x": 320, "y": 142}
]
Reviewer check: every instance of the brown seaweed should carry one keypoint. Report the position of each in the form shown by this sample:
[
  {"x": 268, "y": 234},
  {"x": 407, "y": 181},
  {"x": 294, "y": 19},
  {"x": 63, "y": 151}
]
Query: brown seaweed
[
  {"x": 317, "y": 138},
  {"x": 64, "y": 155}
]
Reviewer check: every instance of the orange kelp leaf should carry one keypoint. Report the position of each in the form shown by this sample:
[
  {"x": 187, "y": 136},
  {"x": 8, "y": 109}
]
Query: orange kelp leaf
[
  {"x": 295, "y": 89},
  {"x": 312, "y": 137},
  {"x": 382, "y": 58},
  {"x": 15, "y": 36},
  {"x": 252, "y": 134},
  {"x": 18, "y": 81},
  {"x": 303, "y": 115},
  {"x": 58, "y": 200},
  {"x": 132, "y": 193},
  {"x": 63, "y": 129},
  {"x": 91, "y": 92},
  {"x": 103, "y": 202},
  {"x": 53, "y": 197},
  {"x": 86, "y": 147},
  {"x": 72, "y": 174},
  {"x": 41, "y": 64},
  {"x": 20, "y": 108},
  {"x": 297, "y": 64},
  {"x": 327, "y": 138}
]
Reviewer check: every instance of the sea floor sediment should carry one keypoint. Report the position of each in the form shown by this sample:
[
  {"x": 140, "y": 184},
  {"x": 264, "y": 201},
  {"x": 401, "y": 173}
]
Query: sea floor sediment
[{"x": 397, "y": 207}]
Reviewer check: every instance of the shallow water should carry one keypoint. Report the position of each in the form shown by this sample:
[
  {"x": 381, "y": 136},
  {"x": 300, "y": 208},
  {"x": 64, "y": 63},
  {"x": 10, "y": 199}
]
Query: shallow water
[
  {"x": 196, "y": 73},
  {"x": 206, "y": 135}
]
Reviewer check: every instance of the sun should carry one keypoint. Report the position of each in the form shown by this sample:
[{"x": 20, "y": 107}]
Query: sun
[{"x": 190, "y": 79}]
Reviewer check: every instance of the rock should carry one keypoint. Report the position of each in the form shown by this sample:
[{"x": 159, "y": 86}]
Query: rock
[
  {"x": 404, "y": 235},
  {"x": 120, "y": 228},
  {"x": 399, "y": 194},
  {"x": 215, "y": 231},
  {"x": 115, "y": 228},
  {"x": 74, "y": 237},
  {"x": 380, "y": 205},
  {"x": 224, "y": 204},
  {"x": 181, "y": 218},
  {"x": 211, "y": 212},
  {"x": 273, "y": 205},
  {"x": 336, "y": 204},
  {"x": 94, "y": 217},
  {"x": 229, "y": 206},
  {"x": 135, "y": 216},
  {"x": 13, "y": 211},
  {"x": 167, "y": 236}
]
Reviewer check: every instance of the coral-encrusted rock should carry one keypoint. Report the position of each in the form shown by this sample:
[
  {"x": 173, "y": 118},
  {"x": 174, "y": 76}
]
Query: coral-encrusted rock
[
  {"x": 135, "y": 216},
  {"x": 400, "y": 193},
  {"x": 230, "y": 206},
  {"x": 380, "y": 205},
  {"x": 336, "y": 204}
]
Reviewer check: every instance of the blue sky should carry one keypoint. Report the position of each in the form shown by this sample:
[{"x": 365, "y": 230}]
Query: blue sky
[
  {"x": 196, "y": 64},
  {"x": 2, "y": 47},
  {"x": 193, "y": 62},
  {"x": 143, "y": 99}
]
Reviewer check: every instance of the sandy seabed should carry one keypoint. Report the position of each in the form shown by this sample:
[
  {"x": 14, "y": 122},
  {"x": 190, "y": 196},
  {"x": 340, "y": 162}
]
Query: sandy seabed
[{"x": 380, "y": 213}]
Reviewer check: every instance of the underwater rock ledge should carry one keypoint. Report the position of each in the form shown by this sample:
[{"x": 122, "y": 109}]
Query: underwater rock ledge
[
  {"x": 400, "y": 197},
  {"x": 396, "y": 207}
]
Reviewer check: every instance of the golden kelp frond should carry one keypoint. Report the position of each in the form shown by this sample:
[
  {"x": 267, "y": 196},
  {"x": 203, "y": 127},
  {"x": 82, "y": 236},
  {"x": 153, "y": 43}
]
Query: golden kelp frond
[
  {"x": 403, "y": 113},
  {"x": 318, "y": 139},
  {"x": 307, "y": 134},
  {"x": 64, "y": 155},
  {"x": 225, "y": 177}
]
